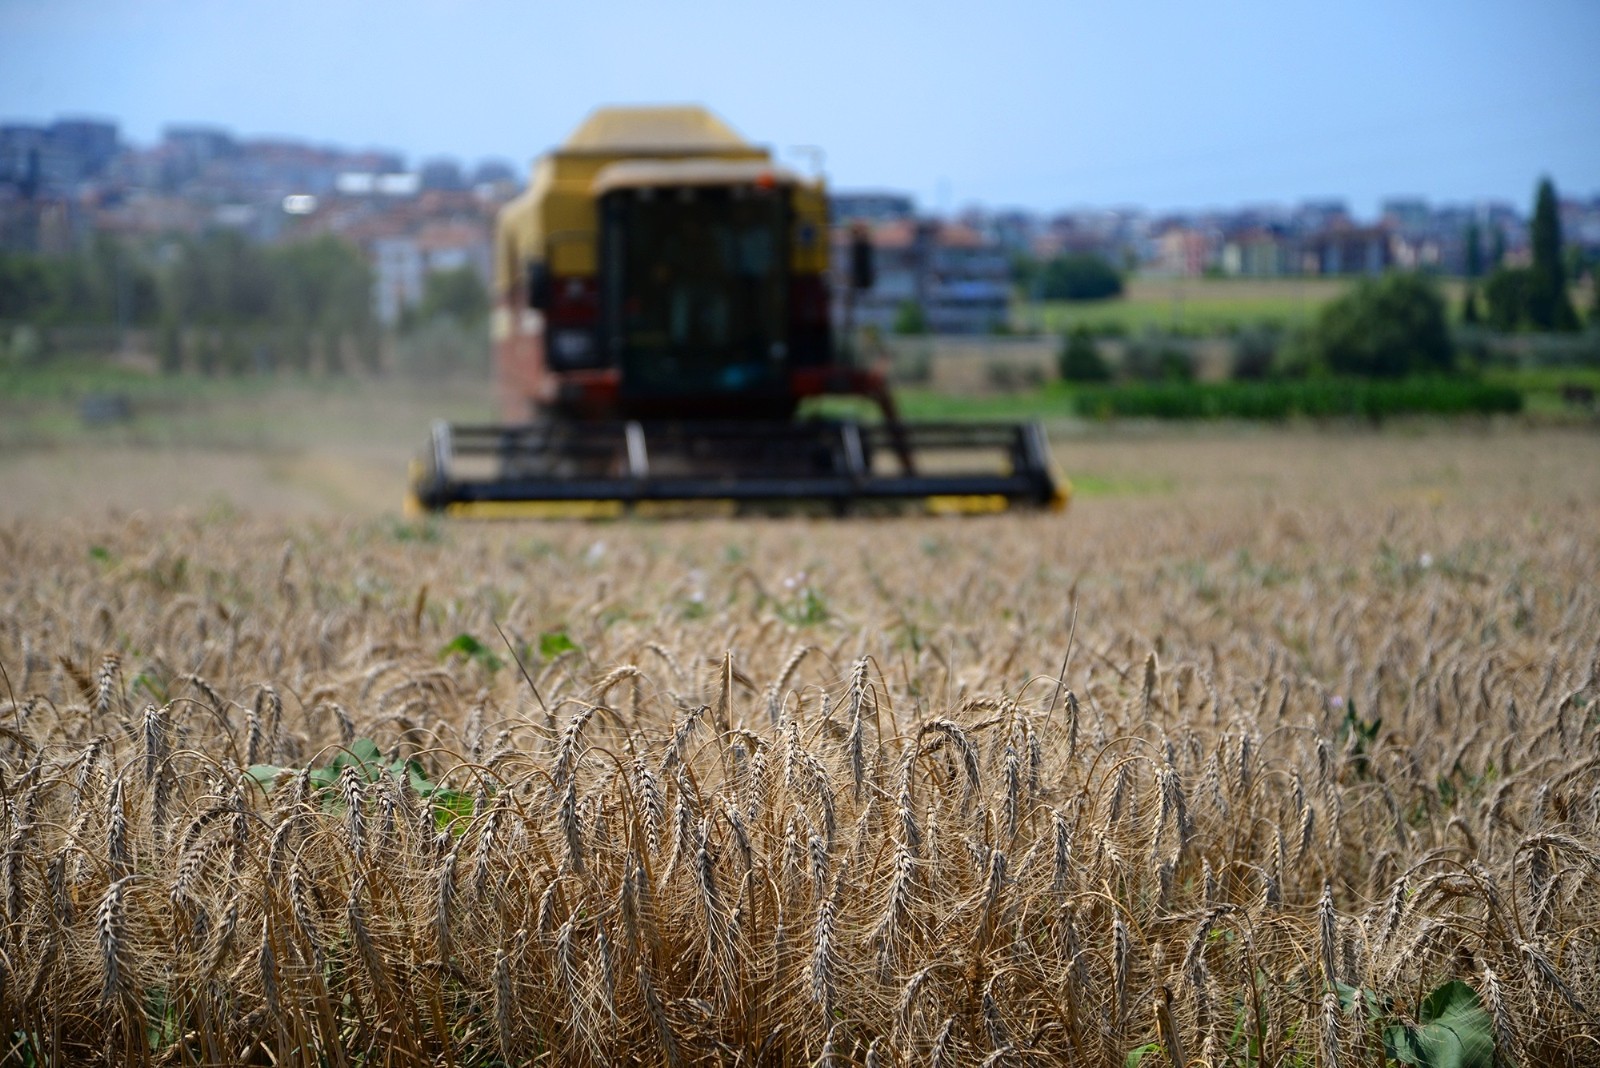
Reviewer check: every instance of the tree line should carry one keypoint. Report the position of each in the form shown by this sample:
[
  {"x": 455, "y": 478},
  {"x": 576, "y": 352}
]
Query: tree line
[
  {"x": 218, "y": 302},
  {"x": 1390, "y": 327},
  {"x": 1534, "y": 297},
  {"x": 1070, "y": 276}
]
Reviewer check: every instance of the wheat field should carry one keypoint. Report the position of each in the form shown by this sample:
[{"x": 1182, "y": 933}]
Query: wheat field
[{"x": 1286, "y": 757}]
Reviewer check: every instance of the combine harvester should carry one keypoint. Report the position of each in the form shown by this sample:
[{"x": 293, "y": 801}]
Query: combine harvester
[{"x": 662, "y": 311}]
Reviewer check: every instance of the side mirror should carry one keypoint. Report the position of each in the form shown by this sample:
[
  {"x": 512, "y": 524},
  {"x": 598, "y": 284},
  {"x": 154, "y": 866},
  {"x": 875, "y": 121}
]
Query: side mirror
[
  {"x": 863, "y": 272},
  {"x": 538, "y": 285}
]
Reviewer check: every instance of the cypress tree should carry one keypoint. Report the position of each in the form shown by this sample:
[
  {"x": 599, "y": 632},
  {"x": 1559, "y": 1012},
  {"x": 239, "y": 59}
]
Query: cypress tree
[
  {"x": 1550, "y": 307},
  {"x": 1546, "y": 231},
  {"x": 1474, "y": 266}
]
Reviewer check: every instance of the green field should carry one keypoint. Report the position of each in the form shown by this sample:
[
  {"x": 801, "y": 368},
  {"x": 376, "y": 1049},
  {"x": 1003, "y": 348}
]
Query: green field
[{"x": 1189, "y": 305}]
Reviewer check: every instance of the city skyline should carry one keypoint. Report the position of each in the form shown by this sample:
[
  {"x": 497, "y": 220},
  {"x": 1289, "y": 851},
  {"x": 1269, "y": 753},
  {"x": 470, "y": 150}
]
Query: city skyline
[
  {"x": 402, "y": 163},
  {"x": 1021, "y": 106}
]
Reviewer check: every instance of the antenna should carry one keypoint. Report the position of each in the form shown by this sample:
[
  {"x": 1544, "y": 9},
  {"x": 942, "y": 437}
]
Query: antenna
[{"x": 814, "y": 156}]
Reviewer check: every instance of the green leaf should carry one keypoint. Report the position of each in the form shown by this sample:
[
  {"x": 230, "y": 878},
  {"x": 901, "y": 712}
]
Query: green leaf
[
  {"x": 1137, "y": 1055},
  {"x": 1347, "y": 1000},
  {"x": 362, "y": 750},
  {"x": 806, "y": 609},
  {"x": 1453, "y": 1031},
  {"x": 1457, "y": 1027},
  {"x": 450, "y": 806},
  {"x": 471, "y": 648},
  {"x": 151, "y": 686},
  {"x": 362, "y": 754},
  {"x": 162, "y": 1022},
  {"x": 411, "y": 771},
  {"x": 465, "y": 644},
  {"x": 264, "y": 774},
  {"x": 555, "y": 642}
]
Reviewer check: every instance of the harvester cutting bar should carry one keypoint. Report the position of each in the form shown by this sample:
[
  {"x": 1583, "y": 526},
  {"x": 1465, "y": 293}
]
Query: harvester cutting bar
[{"x": 604, "y": 469}]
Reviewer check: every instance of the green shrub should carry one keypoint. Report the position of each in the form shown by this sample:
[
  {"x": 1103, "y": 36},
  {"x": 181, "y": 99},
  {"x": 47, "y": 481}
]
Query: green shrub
[
  {"x": 909, "y": 319},
  {"x": 1158, "y": 358},
  {"x": 1508, "y": 292},
  {"x": 1080, "y": 359},
  {"x": 1078, "y": 277},
  {"x": 1255, "y": 353},
  {"x": 1384, "y": 328}
]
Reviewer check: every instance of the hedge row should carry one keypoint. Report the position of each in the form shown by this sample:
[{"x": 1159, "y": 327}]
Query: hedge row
[{"x": 1316, "y": 398}]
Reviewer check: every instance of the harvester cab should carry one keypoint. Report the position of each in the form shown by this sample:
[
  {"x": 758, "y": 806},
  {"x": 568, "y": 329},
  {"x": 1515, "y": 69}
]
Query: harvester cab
[{"x": 663, "y": 309}]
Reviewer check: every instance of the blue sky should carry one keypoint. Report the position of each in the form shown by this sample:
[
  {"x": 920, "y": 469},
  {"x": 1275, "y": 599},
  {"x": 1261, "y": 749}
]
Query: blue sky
[{"x": 1041, "y": 105}]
